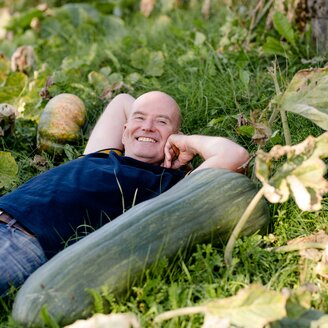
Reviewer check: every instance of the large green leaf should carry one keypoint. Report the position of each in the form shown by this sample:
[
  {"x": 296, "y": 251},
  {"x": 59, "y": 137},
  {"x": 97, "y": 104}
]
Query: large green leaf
[
  {"x": 306, "y": 95},
  {"x": 273, "y": 46},
  {"x": 4, "y": 68},
  {"x": 151, "y": 62},
  {"x": 253, "y": 307},
  {"x": 13, "y": 87},
  {"x": 8, "y": 169},
  {"x": 284, "y": 27}
]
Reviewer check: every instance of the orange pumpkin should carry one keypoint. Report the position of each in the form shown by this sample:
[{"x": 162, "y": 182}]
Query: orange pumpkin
[{"x": 61, "y": 122}]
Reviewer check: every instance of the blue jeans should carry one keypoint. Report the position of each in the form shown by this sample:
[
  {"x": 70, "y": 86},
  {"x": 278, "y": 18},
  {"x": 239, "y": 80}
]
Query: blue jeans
[{"x": 20, "y": 256}]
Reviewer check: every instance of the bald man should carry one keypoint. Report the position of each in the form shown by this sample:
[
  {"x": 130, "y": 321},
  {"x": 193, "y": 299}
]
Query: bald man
[{"x": 135, "y": 152}]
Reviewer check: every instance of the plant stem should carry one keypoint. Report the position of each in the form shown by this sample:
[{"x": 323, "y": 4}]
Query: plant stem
[
  {"x": 285, "y": 126},
  {"x": 178, "y": 312},
  {"x": 284, "y": 121},
  {"x": 239, "y": 226},
  {"x": 298, "y": 247}
]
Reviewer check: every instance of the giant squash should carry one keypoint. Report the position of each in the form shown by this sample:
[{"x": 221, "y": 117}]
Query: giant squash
[
  {"x": 61, "y": 123},
  {"x": 202, "y": 208}
]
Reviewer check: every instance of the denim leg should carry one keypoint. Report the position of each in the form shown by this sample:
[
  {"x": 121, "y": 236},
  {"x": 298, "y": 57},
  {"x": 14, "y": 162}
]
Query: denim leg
[{"x": 20, "y": 256}]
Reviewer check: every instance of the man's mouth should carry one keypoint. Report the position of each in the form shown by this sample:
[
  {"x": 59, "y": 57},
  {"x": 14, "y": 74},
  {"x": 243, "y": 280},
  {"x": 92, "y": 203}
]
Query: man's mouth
[{"x": 146, "y": 139}]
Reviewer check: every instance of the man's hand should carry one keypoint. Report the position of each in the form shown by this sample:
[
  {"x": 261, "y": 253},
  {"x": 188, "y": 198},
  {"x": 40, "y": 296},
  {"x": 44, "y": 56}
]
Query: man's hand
[
  {"x": 177, "y": 151},
  {"x": 217, "y": 152}
]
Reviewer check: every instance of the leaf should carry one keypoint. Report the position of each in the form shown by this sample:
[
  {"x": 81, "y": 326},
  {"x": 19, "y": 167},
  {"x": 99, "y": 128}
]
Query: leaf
[
  {"x": 4, "y": 68},
  {"x": 78, "y": 14},
  {"x": 139, "y": 58},
  {"x": 114, "y": 320},
  {"x": 311, "y": 253},
  {"x": 302, "y": 175},
  {"x": 23, "y": 59},
  {"x": 98, "y": 80},
  {"x": 8, "y": 115},
  {"x": 244, "y": 77},
  {"x": 5, "y": 17},
  {"x": 253, "y": 307},
  {"x": 147, "y": 6},
  {"x": 262, "y": 133},
  {"x": 155, "y": 65},
  {"x": 200, "y": 38},
  {"x": 30, "y": 104},
  {"x": 306, "y": 96},
  {"x": 284, "y": 27},
  {"x": 8, "y": 169},
  {"x": 152, "y": 63},
  {"x": 275, "y": 47},
  {"x": 47, "y": 318},
  {"x": 13, "y": 87},
  {"x": 246, "y": 130},
  {"x": 22, "y": 20}
]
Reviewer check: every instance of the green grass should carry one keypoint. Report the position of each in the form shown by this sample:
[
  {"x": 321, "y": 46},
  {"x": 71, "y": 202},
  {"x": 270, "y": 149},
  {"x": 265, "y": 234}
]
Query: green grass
[{"x": 207, "y": 85}]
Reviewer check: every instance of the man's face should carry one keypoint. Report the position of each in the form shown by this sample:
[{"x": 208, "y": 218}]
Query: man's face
[{"x": 154, "y": 117}]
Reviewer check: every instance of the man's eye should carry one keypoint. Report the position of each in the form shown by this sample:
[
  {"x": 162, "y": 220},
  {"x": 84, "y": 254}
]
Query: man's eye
[
  {"x": 138, "y": 118},
  {"x": 162, "y": 122}
]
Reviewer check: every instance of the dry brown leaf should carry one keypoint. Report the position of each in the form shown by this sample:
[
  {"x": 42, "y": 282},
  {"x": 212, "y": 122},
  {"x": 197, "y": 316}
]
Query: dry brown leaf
[
  {"x": 115, "y": 320},
  {"x": 23, "y": 59},
  {"x": 313, "y": 254},
  {"x": 8, "y": 116},
  {"x": 147, "y": 7},
  {"x": 206, "y": 9}
]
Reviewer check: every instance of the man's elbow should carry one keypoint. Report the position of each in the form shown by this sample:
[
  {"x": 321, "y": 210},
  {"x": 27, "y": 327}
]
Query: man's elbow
[{"x": 243, "y": 158}]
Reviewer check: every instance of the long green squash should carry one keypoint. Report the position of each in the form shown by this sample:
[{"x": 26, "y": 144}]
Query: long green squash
[{"x": 202, "y": 208}]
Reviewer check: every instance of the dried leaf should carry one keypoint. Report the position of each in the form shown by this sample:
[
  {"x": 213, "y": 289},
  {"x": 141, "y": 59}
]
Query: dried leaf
[
  {"x": 212, "y": 321},
  {"x": 116, "y": 320},
  {"x": 306, "y": 96},
  {"x": 4, "y": 20},
  {"x": 206, "y": 9},
  {"x": 262, "y": 133},
  {"x": 147, "y": 7},
  {"x": 8, "y": 115},
  {"x": 301, "y": 176},
  {"x": 322, "y": 267},
  {"x": 311, "y": 253},
  {"x": 200, "y": 38},
  {"x": 252, "y": 307},
  {"x": 44, "y": 92},
  {"x": 23, "y": 59}
]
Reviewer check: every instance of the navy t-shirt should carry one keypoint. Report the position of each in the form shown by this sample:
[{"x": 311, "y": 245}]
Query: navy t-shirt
[{"x": 65, "y": 203}]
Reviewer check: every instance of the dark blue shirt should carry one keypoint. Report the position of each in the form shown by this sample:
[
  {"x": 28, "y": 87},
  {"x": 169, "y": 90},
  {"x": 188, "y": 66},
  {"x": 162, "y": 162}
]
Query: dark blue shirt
[{"x": 67, "y": 202}]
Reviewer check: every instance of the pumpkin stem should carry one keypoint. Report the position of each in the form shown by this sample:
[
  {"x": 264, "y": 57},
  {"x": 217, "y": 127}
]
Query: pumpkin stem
[{"x": 239, "y": 226}]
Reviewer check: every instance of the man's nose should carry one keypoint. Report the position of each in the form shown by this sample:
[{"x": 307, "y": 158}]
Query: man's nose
[{"x": 148, "y": 125}]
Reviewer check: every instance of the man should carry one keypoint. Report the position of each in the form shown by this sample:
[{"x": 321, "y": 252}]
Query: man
[{"x": 60, "y": 206}]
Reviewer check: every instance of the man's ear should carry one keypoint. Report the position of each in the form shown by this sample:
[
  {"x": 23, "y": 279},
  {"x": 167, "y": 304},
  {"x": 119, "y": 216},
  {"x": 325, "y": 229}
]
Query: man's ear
[{"x": 124, "y": 134}]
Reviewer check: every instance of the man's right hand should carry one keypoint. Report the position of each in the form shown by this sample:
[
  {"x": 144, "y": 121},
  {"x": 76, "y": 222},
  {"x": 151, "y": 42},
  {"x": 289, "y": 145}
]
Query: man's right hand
[{"x": 177, "y": 151}]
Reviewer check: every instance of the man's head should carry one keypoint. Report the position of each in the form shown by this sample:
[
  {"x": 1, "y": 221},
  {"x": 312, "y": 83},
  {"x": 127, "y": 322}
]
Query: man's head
[{"x": 154, "y": 117}]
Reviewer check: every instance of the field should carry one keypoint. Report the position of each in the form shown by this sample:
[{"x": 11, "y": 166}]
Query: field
[{"x": 226, "y": 65}]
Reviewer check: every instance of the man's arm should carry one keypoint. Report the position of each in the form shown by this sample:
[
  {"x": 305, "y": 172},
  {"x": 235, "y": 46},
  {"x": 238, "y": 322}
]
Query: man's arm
[
  {"x": 217, "y": 152},
  {"x": 108, "y": 130}
]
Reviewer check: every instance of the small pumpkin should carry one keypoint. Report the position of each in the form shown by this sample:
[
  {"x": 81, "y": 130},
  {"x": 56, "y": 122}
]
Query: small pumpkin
[
  {"x": 202, "y": 208},
  {"x": 61, "y": 122}
]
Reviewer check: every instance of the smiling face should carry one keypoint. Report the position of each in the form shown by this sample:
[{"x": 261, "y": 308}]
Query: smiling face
[{"x": 154, "y": 117}]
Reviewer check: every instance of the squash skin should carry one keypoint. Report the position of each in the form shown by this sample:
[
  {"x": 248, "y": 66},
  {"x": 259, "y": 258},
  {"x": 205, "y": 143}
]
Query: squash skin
[
  {"x": 202, "y": 208},
  {"x": 61, "y": 122}
]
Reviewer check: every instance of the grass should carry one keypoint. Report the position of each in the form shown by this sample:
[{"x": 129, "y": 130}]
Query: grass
[{"x": 207, "y": 85}]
